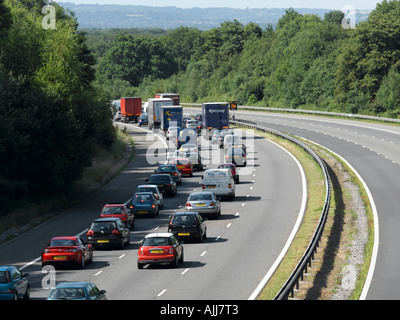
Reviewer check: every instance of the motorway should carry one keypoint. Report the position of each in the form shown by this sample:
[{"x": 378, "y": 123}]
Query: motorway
[
  {"x": 241, "y": 246},
  {"x": 373, "y": 150}
]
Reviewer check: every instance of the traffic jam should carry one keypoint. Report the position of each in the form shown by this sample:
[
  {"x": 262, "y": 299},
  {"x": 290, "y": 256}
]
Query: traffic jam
[{"x": 112, "y": 228}]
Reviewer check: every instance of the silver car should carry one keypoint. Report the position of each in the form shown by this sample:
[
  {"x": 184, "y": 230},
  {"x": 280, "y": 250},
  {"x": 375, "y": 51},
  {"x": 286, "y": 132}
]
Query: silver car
[{"x": 205, "y": 203}]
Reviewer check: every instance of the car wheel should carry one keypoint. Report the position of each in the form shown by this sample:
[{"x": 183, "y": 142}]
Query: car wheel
[
  {"x": 91, "y": 256},
  {"x": 27, "y": 293},
  {"x": 176, "y": 261},
  {"x": 82, "y": 264},
  {"x": 139, "y": 265},
  {"x": 181, "y": 259},
  {"x": 122, "y": 246}
]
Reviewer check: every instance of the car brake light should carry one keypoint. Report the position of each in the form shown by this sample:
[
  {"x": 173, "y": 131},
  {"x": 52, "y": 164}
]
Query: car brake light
[
  {"x": 90, "y": 233},
  {"x": 212, "y": 204},
  {"x": 115, "y": 231},
  {"x": 47, "y": 251},
  {"x": 188, "y": 204},
  {"x": 171, "y": 250},
  {"x": 153, "y": 205},
  {"x": 229, "y": 185},
  {"x": 131, "y": 206},
  {"x": 203, "y": 186}
]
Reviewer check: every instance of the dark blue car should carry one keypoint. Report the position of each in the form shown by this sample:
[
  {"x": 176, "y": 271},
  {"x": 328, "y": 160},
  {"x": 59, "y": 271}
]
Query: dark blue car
[
  {"x": 144, "y": 203},
  {"x": 13, "y": 284},
  {"x": 77, "y": 290}
]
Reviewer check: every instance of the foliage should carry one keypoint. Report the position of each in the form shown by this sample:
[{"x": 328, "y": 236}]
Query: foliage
[{"x": 52, "y": 114}]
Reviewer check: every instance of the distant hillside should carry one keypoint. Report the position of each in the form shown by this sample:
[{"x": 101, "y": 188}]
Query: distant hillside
[{"x": 93, "y": 16}]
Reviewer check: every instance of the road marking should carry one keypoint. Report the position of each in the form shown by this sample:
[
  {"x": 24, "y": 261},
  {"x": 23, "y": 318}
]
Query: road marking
[
  {"x": 96, "y": 274},
  {"x": 217, "y": 238},
  {"x": 243, "y": 204},
  {"x": 203, "y": 253},
  {"x": 121, "y": 256},
  {"x": 184, "y": 271},
  {"x": 162, "y": 292},
  {"x": 229, "y": 224}
]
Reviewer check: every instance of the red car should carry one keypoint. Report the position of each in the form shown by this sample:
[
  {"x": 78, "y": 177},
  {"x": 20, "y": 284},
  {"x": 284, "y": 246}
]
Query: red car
[
  {"x": 233, "y": 169},
  {"x": 119, "y": 210},
  {"x": 184, "y": 166},
  {"x": 158, "y": 248},
  {"x": 67, "y": 250}
]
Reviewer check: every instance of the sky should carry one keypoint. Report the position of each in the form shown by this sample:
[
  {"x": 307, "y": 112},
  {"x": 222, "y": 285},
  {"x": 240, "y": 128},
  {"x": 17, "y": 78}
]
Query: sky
[{"x": 251, "y": 4}]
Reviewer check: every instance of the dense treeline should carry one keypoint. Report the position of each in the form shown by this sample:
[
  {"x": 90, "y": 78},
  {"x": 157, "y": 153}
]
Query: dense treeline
[
  {"x": 52, "y": 114},
  {"x": 306, "y": 61}
]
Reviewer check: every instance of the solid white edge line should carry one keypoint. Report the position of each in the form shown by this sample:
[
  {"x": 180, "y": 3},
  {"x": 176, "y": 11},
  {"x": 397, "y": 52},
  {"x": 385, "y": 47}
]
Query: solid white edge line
[
  {"x": 374, "y": 256},
  {"x": 296, "y": 227}
]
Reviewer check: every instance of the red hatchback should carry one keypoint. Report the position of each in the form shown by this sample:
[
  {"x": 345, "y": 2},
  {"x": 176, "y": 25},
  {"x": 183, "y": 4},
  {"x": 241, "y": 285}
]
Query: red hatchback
[
  {"x": 158, "y": 248},
  {"x": 119, "y": 210},
  {"x": 184, "y": 166},
  {"x": 67, "y": 250}
]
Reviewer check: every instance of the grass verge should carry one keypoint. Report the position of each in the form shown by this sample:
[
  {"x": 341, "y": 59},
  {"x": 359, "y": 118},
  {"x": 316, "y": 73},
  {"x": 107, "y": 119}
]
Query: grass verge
[{"x": 325, "y": 275}]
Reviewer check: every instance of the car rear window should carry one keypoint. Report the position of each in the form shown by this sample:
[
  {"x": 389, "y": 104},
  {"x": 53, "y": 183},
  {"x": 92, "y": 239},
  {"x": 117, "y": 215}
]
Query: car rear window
[
  {"x": 62, "y": 243},
  {"x": 103, "y": 225},
  {"x": 166, "y": 169},
  {"x": 184, "y": 220},
  {"x": 142, "y": 198},
  {"x": 199, "y": 197},
  {"x": 159, "y": 178},
  {"x": 113, "y": 210},
  {"x": 4, "y": 277},
  {"x": 183, "y": 161},
  {"x": 157, "y": 241}
]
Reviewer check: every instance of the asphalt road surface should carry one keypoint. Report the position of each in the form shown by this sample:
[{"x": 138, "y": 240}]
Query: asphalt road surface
[{"x": 240, "y": 248}]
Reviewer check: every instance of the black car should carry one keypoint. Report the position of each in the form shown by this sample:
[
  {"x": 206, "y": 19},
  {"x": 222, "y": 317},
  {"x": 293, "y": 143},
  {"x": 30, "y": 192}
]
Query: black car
[
  {"x": 164, "y": 183},
  {"x": 170, "y": 169},
  {"x": 108, "y": 232},
  {"x": 142, "y": 121},
  {"x": 188, "y": 225}
]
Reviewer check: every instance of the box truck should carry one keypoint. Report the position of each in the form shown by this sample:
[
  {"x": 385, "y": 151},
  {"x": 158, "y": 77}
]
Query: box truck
[
  {"x": 173, "y": 96},
  {"x": 171, "y": 116},
  {"x": 154, "y": 111},
  {"x": 215, "y": 115},
  {"x": 131, "y": 108}
]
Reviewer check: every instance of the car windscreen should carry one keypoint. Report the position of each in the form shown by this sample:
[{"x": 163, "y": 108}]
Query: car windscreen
[
  {"x": 157, "y": 241},
  {"x": 67, "y": 293},
  {"x": 62, "y": 243}
]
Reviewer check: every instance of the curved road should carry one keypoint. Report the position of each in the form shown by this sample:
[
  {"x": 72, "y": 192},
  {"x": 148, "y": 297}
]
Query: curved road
[
  {"x": 373, "y": 150},
  {"x": 241, "y": 246}
]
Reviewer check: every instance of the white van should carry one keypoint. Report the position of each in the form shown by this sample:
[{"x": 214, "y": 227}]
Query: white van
[
  {"x": 232, "y": 139},
  {"x": 220, "y": 182}
]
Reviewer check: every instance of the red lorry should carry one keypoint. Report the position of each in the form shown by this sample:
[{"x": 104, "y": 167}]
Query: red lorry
[
  {"x": 131, "y": 109},
  {"x": 174, "y": 96}
]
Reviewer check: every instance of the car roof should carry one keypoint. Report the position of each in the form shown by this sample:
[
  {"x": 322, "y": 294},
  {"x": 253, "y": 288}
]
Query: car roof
[{"x": 159, "y": 234}]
